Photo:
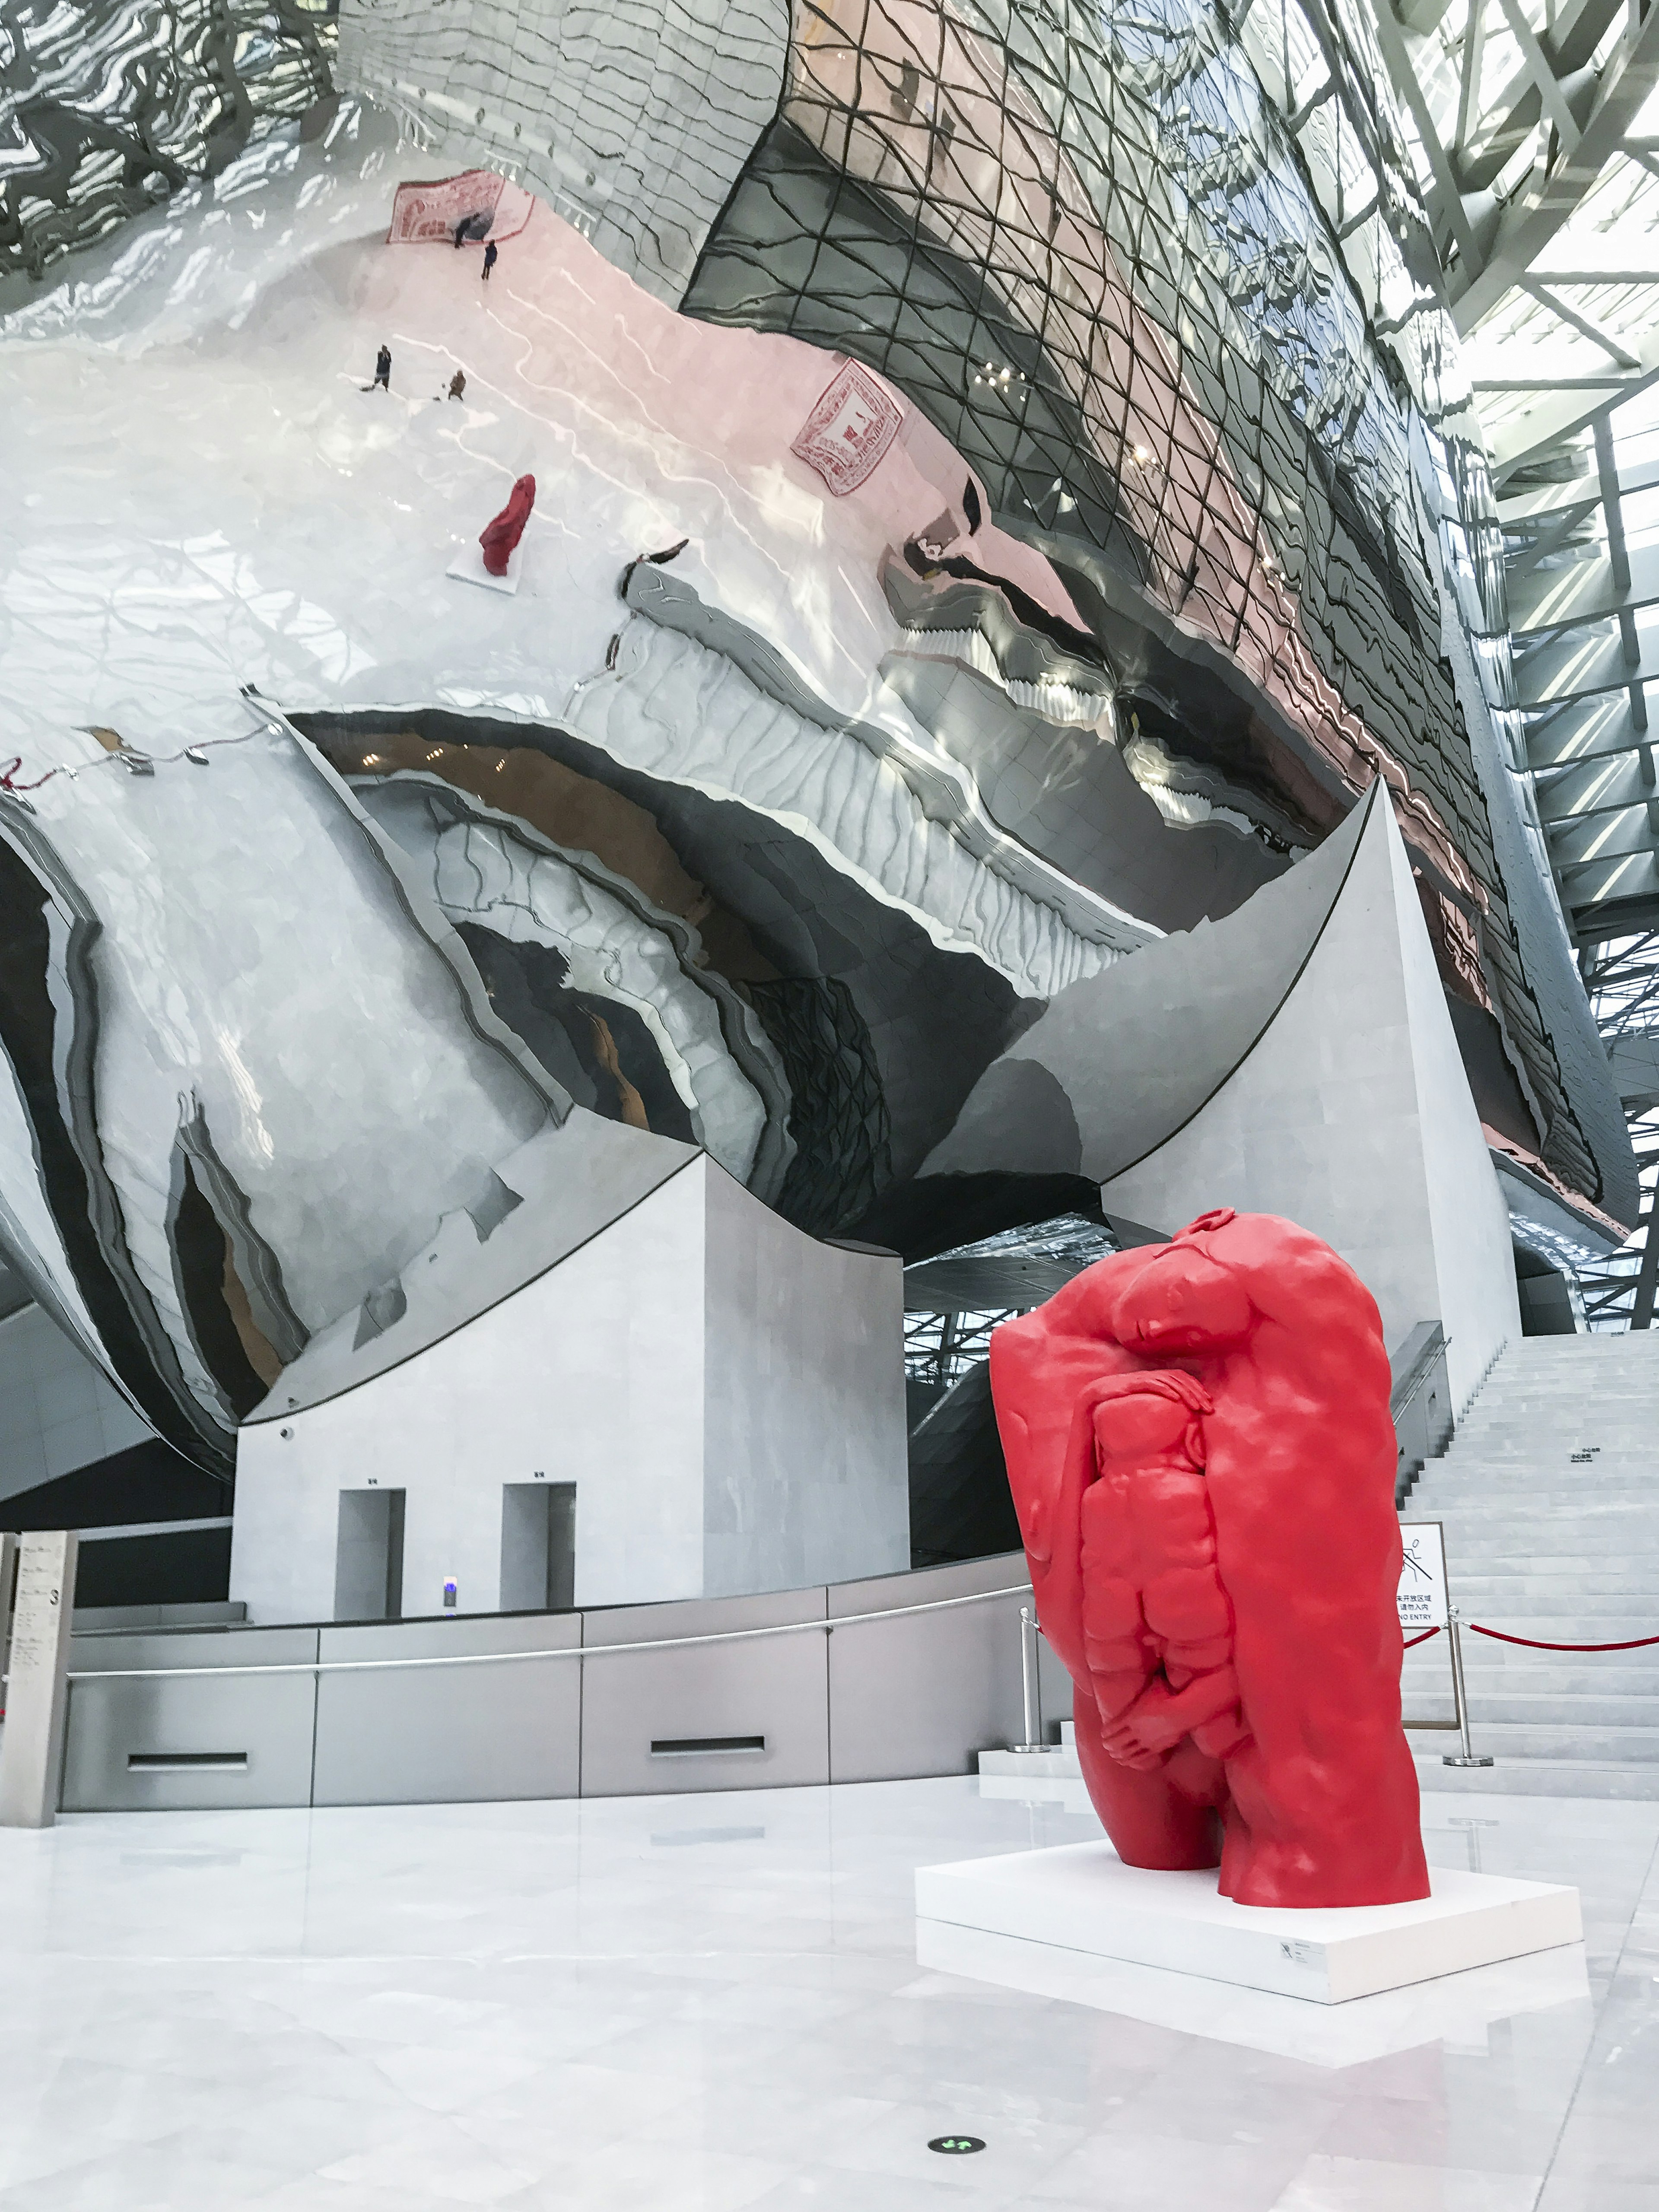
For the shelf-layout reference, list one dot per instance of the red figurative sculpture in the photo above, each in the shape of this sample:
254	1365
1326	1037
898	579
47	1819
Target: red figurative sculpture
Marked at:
1200	1450
499	538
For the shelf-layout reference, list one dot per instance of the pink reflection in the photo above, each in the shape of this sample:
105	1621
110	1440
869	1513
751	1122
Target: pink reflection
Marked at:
908	99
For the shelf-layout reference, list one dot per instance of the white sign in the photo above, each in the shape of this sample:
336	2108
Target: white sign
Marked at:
1422	1594
36	1693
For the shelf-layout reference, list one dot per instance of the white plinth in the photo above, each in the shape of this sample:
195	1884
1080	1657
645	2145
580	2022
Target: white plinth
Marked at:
469	569
1082	1899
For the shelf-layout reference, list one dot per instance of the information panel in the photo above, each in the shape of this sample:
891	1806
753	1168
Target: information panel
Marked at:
1422	1594
32	1758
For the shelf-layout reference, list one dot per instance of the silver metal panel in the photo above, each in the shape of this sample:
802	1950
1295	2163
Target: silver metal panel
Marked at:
421	1735
923	1693
773	1687
264	1720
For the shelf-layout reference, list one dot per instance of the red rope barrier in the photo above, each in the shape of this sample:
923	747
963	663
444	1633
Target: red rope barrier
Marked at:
1635	1642
1423	1639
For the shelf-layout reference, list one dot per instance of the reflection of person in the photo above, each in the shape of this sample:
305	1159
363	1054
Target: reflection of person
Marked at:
383	369
492	254
1157	1627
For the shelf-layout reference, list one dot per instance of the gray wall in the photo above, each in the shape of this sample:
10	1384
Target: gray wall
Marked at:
805	1474
58	1411
839	1699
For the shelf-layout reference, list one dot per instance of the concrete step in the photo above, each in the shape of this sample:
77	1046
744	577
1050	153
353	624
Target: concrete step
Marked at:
1488	1705
1551	1602
1476	1591
1570	1555
1539	1577
1582	1739
1589	1625
1606	1677
1531	1778
1630	1479
1612	1520
1630	1467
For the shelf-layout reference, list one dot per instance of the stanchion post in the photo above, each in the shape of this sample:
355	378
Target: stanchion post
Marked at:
1466	1757
1027	1682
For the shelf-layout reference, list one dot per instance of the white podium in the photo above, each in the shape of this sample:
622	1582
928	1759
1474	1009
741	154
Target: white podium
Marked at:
1080	1899
468	567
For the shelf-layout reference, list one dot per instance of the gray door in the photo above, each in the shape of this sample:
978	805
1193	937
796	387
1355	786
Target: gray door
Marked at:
368	1557
539	1546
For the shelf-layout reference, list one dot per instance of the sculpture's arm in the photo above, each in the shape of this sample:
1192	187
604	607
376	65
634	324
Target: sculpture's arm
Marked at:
1083	1307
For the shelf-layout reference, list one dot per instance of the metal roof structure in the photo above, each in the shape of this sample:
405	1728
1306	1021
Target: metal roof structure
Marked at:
1533	130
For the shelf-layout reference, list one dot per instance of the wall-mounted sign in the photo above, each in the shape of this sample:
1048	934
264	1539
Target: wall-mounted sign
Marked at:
36	1692
1422	1594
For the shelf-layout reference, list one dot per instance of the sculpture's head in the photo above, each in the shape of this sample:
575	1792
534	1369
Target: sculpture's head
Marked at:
1141	1418
1185	1299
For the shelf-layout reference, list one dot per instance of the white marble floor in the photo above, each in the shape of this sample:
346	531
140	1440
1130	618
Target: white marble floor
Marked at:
703	2004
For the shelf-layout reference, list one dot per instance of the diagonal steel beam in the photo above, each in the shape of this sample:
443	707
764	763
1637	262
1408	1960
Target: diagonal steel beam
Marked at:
1546	297
1542	69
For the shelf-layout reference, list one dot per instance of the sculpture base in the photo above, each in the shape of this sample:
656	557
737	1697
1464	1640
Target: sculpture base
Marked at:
469	569
1082	1899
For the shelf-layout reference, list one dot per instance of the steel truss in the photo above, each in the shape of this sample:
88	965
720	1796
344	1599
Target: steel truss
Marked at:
1535	136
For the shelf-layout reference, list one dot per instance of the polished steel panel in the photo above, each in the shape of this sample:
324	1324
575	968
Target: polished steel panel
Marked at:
922	1693
449	1735
770	1687
264	1720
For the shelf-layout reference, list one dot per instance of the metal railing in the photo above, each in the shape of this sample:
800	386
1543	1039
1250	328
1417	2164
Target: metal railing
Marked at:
510	1658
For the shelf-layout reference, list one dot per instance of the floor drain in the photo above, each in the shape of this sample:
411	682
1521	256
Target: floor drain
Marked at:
955	2145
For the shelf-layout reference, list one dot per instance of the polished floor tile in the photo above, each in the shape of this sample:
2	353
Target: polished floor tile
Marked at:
709	2005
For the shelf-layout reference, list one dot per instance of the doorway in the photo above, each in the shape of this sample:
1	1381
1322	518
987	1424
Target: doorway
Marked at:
368	1556
539	1546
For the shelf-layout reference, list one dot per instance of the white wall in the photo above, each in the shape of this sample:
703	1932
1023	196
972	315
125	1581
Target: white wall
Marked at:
1474	1250
58	1411
725	1394
1353	1115
807	1472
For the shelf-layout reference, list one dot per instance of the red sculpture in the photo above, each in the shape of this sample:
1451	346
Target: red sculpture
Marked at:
499	538
1200	1450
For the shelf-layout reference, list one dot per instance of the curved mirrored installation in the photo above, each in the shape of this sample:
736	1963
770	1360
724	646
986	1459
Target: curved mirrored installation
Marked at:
979	528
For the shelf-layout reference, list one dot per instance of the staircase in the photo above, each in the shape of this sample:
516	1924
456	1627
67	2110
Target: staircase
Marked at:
1550	1499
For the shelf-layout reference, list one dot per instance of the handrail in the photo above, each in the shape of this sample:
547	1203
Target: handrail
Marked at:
1419	1362
507	1658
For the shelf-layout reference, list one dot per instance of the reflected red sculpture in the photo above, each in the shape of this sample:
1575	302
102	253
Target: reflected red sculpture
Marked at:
499	538
1200	1451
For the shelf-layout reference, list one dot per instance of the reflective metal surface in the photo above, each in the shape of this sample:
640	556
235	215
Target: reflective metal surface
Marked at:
991	525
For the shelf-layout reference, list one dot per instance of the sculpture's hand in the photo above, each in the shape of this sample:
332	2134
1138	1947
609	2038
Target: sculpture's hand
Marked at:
1153	1725
1160	1716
